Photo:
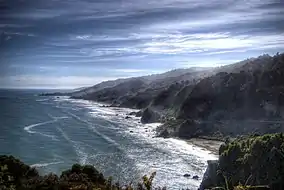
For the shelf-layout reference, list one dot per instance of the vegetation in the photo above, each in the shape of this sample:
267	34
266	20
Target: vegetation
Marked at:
14	174
256	161
225	101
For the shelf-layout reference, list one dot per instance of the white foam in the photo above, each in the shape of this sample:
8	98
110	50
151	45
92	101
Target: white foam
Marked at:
42	100
106	111
179	152
79	150
63	117
29	127
92	127
55	119
39	165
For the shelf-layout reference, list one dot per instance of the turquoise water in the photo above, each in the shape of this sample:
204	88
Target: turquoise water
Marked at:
53	133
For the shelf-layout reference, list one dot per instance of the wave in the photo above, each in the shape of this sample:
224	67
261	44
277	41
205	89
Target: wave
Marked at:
46	164
54	119
29	127
79	150
92	128
69	108
42	100
62	117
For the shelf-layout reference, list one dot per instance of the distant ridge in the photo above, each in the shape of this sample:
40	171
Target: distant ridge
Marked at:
197	101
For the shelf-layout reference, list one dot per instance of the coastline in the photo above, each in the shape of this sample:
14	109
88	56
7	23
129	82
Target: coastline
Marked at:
206	144
205	148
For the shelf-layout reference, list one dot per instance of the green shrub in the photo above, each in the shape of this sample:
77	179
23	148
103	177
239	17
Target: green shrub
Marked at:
257	158
15	175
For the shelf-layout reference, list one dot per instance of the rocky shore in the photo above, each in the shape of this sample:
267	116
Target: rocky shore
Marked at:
238	99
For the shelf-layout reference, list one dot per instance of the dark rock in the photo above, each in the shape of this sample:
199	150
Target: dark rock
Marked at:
131	131
150	116
196	177
164	134
210	177
127	117
190	129
139	114
132	113
186	175
116	114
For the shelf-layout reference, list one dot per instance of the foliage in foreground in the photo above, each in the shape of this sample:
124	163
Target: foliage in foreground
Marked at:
256	161
14	174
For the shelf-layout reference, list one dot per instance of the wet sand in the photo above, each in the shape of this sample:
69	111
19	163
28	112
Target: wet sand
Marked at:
211	145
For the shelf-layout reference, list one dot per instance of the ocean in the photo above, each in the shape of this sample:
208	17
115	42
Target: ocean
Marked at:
52	133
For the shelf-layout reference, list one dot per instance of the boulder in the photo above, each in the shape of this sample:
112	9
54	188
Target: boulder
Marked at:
186	175
127	117
196	177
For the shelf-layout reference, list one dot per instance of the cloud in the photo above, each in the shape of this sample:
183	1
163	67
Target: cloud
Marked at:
130	70
121	38
37	81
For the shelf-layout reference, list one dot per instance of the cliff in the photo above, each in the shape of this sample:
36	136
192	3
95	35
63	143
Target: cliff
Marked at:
231	104
236	99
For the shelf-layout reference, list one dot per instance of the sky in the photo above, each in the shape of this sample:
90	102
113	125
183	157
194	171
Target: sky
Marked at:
75	43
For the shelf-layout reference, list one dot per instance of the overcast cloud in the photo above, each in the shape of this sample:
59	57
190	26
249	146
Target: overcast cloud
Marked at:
75	43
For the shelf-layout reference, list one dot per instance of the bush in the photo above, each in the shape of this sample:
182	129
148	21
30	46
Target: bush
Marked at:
14	174
256	160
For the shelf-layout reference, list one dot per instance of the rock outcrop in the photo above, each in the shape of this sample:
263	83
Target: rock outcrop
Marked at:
150	116
210	177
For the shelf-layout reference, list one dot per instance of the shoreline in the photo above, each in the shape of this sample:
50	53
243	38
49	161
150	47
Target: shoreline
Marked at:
206	144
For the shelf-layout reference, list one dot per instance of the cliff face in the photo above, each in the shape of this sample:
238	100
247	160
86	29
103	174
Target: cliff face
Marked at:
237	103
210	177
159	96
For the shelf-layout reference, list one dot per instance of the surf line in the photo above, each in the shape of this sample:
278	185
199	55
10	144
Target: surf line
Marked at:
30	127
46	164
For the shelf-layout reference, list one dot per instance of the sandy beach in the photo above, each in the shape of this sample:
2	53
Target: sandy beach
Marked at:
211	145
